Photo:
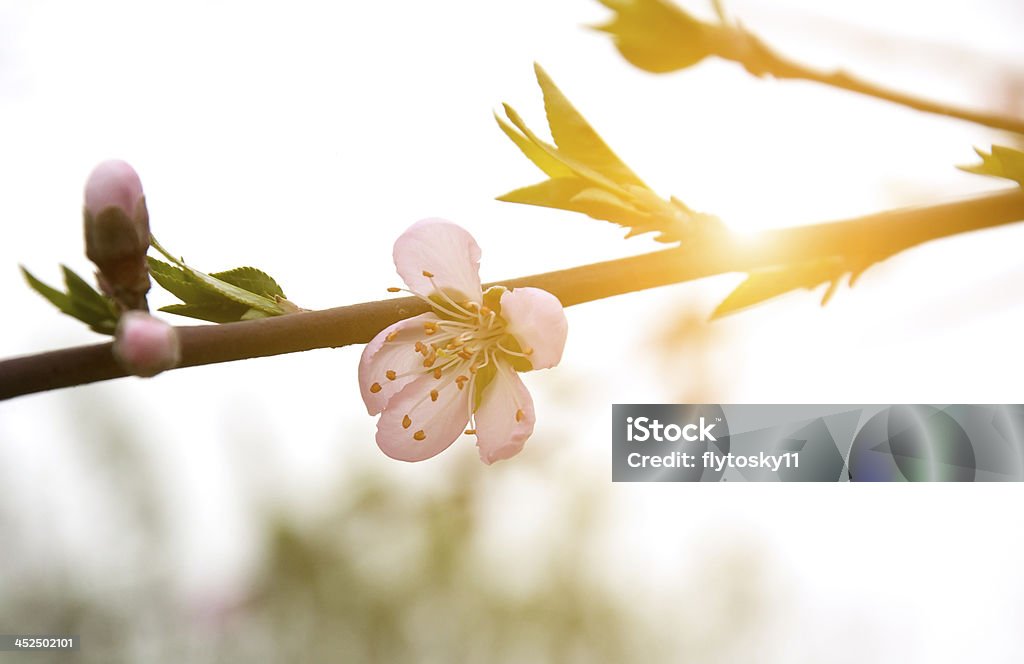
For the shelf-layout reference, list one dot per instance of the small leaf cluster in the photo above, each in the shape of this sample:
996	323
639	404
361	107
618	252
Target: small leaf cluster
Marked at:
242	293
78	300
586	176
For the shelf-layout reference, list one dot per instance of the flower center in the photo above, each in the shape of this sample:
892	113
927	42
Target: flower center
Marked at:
464	347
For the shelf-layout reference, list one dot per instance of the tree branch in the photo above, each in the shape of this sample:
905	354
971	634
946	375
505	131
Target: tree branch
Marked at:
759	59
870	237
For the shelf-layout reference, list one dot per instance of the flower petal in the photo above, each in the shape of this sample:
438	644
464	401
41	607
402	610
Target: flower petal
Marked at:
398	355
505	417
443	249
113	183
145	345
415	426
536	319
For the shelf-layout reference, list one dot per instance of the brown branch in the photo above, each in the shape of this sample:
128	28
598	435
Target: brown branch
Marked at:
759	59
870	237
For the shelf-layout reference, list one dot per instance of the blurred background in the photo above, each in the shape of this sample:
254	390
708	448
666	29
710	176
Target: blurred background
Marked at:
243	512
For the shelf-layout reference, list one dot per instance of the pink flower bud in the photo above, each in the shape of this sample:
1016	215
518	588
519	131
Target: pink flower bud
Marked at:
145	346
117	232
113	183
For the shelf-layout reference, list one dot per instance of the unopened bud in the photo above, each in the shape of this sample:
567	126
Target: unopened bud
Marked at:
117	232
144	345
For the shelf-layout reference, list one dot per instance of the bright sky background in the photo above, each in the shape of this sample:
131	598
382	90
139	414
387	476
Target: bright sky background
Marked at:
304	139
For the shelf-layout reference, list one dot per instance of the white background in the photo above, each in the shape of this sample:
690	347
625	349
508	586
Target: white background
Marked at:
304	139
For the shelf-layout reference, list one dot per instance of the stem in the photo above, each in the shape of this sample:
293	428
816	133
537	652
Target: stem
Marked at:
873	236
759	59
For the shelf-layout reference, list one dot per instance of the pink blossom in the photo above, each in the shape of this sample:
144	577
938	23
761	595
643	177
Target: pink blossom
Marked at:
117	232
455	369
145	345
113	183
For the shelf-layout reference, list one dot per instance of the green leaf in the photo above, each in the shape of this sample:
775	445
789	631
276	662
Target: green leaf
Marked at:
224	311
575	137
252	280
657	36
81	301
1001	162
223	288
177	282
242	293
575	167
762	285
587	177
58	299
87	301
544	161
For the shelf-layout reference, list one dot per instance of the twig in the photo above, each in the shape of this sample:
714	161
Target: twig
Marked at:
735	43
873	236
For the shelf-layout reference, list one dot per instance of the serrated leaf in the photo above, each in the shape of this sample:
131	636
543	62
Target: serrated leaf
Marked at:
100	315
575	137
87	300
762	285
224	311
252	280
224	289
55	297
1001	162
177	282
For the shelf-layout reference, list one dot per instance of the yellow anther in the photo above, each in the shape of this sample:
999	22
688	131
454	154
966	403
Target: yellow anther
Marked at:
420	348
437	373
470	432
428	275
520	415
429	361
392	289
419	435
433	395
465	354
390	374
391	336
528	351
461	381
406	422
472	369
375	388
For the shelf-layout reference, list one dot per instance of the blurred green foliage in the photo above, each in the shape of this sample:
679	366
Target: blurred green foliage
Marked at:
384	573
